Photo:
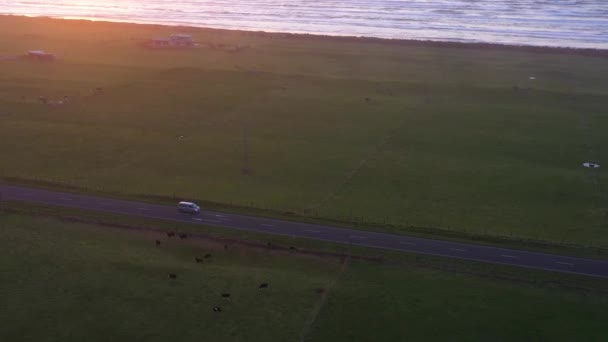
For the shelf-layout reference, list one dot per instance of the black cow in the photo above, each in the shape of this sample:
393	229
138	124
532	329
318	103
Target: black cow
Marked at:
158	242
183	236
170	234
225	247
226	295
207	256
292	249
172	276
263	286
198	260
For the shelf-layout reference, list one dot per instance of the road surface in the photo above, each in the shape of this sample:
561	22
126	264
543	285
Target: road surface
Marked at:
495	255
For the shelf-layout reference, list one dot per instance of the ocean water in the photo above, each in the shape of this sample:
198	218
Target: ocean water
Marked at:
568	23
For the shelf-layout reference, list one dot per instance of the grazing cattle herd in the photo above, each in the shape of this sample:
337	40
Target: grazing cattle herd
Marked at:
224	295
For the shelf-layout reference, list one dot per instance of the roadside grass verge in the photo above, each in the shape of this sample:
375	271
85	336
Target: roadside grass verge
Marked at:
505	241
222	237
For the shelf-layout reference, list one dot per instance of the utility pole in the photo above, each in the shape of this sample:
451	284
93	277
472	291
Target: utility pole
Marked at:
245	169
1	208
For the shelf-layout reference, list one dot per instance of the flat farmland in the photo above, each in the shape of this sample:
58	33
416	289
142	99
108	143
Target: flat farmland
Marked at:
74	281
473	139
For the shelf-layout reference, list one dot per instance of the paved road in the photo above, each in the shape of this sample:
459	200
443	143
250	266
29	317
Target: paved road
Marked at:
487	254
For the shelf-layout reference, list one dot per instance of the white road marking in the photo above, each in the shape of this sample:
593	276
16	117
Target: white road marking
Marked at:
357	237
510	256
312	231
197	219
66	199
408	243
564	263
267	225
458	249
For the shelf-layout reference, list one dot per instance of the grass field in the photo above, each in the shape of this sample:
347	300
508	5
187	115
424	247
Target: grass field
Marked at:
408	134
72	282
379	303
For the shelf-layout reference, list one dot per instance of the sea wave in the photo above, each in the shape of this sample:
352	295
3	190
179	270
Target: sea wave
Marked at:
567	23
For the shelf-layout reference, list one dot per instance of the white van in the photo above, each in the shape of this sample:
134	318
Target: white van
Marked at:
188	207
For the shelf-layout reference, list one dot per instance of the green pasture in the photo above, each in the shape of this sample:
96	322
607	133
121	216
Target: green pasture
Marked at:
404	134
377	303
66	281
75	282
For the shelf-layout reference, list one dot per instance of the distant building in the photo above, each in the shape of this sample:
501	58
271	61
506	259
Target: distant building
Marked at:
174	41
181	38
38	55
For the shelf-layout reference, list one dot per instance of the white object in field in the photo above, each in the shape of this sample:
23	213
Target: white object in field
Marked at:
591	165
532	77
40	55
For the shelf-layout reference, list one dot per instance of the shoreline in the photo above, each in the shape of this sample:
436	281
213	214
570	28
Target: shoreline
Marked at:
592	52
